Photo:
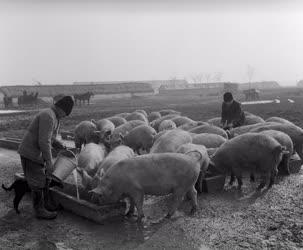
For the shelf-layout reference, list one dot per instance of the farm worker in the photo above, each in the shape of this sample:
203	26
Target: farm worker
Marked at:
232	115
35	152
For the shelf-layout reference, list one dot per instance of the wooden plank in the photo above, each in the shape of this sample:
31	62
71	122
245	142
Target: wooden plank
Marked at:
10	144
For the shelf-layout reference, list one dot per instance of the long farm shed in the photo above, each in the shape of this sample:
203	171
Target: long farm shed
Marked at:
52	90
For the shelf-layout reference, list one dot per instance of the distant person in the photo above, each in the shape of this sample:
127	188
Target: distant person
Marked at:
232	115
35	152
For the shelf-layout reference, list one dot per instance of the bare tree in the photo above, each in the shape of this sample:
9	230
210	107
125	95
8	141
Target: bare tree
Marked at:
197	78
207	77
250	73
217	76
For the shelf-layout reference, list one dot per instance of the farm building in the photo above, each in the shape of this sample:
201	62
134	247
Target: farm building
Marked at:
102	89
259	85
202	89
170	84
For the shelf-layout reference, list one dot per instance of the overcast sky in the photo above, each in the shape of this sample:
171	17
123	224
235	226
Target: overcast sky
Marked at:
66	41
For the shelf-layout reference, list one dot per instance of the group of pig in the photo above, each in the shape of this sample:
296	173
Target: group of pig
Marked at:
134	154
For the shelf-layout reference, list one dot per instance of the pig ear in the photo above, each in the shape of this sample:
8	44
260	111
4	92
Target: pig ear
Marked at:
284	151
197	155
93	121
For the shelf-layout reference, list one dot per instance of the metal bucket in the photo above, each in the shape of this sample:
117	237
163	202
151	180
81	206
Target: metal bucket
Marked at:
64	165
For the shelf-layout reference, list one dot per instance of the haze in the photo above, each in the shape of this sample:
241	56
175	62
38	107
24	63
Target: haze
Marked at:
59	42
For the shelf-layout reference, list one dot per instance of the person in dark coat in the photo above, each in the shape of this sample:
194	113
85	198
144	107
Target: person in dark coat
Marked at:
35	152
232	115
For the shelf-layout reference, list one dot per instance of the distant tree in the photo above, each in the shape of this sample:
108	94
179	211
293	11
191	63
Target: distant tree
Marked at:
250	73
217	76
207	77
197	78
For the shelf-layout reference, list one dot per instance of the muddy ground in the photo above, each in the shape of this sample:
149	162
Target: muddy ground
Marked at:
225	220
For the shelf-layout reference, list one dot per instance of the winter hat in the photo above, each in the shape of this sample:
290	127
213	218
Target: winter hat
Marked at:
227	97
66	103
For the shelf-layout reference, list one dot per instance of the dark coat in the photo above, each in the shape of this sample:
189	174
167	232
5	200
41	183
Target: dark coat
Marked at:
232	114
36	143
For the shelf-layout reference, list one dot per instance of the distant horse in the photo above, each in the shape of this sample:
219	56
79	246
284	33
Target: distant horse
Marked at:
8	101
57	97
28	99
83	97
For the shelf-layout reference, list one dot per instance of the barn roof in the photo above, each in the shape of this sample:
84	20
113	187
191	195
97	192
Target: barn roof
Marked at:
52	90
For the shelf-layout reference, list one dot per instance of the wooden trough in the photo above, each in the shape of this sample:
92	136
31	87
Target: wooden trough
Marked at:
67	198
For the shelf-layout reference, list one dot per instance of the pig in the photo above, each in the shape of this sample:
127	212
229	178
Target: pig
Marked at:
188	126
252	152
105	126
90	157
136	116
279	120
285	141
215	121
244	129
151	174
204	161
117	154
142	111
170	141
153	116
123	115
164	112
253	119
209	129
119	132
126	127
167	125
141	137
117	121
159	134
295	133
82	131
181	120
156	123
208	140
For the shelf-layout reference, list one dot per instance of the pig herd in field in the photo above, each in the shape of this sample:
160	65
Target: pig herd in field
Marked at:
134	154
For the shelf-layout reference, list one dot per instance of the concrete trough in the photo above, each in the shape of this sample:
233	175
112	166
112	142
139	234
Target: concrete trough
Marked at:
67	198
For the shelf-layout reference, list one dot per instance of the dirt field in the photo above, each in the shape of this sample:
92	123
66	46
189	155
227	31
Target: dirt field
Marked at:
226	220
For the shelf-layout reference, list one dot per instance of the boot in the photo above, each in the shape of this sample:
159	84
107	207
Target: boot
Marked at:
49	203
38	203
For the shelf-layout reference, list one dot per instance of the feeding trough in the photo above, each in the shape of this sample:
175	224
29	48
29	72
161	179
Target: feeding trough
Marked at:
67	198
212	184
295	164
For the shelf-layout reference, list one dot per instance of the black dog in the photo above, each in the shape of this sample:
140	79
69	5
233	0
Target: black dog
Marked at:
21	187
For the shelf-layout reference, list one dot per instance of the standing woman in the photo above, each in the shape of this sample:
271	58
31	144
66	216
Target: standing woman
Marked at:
35	152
